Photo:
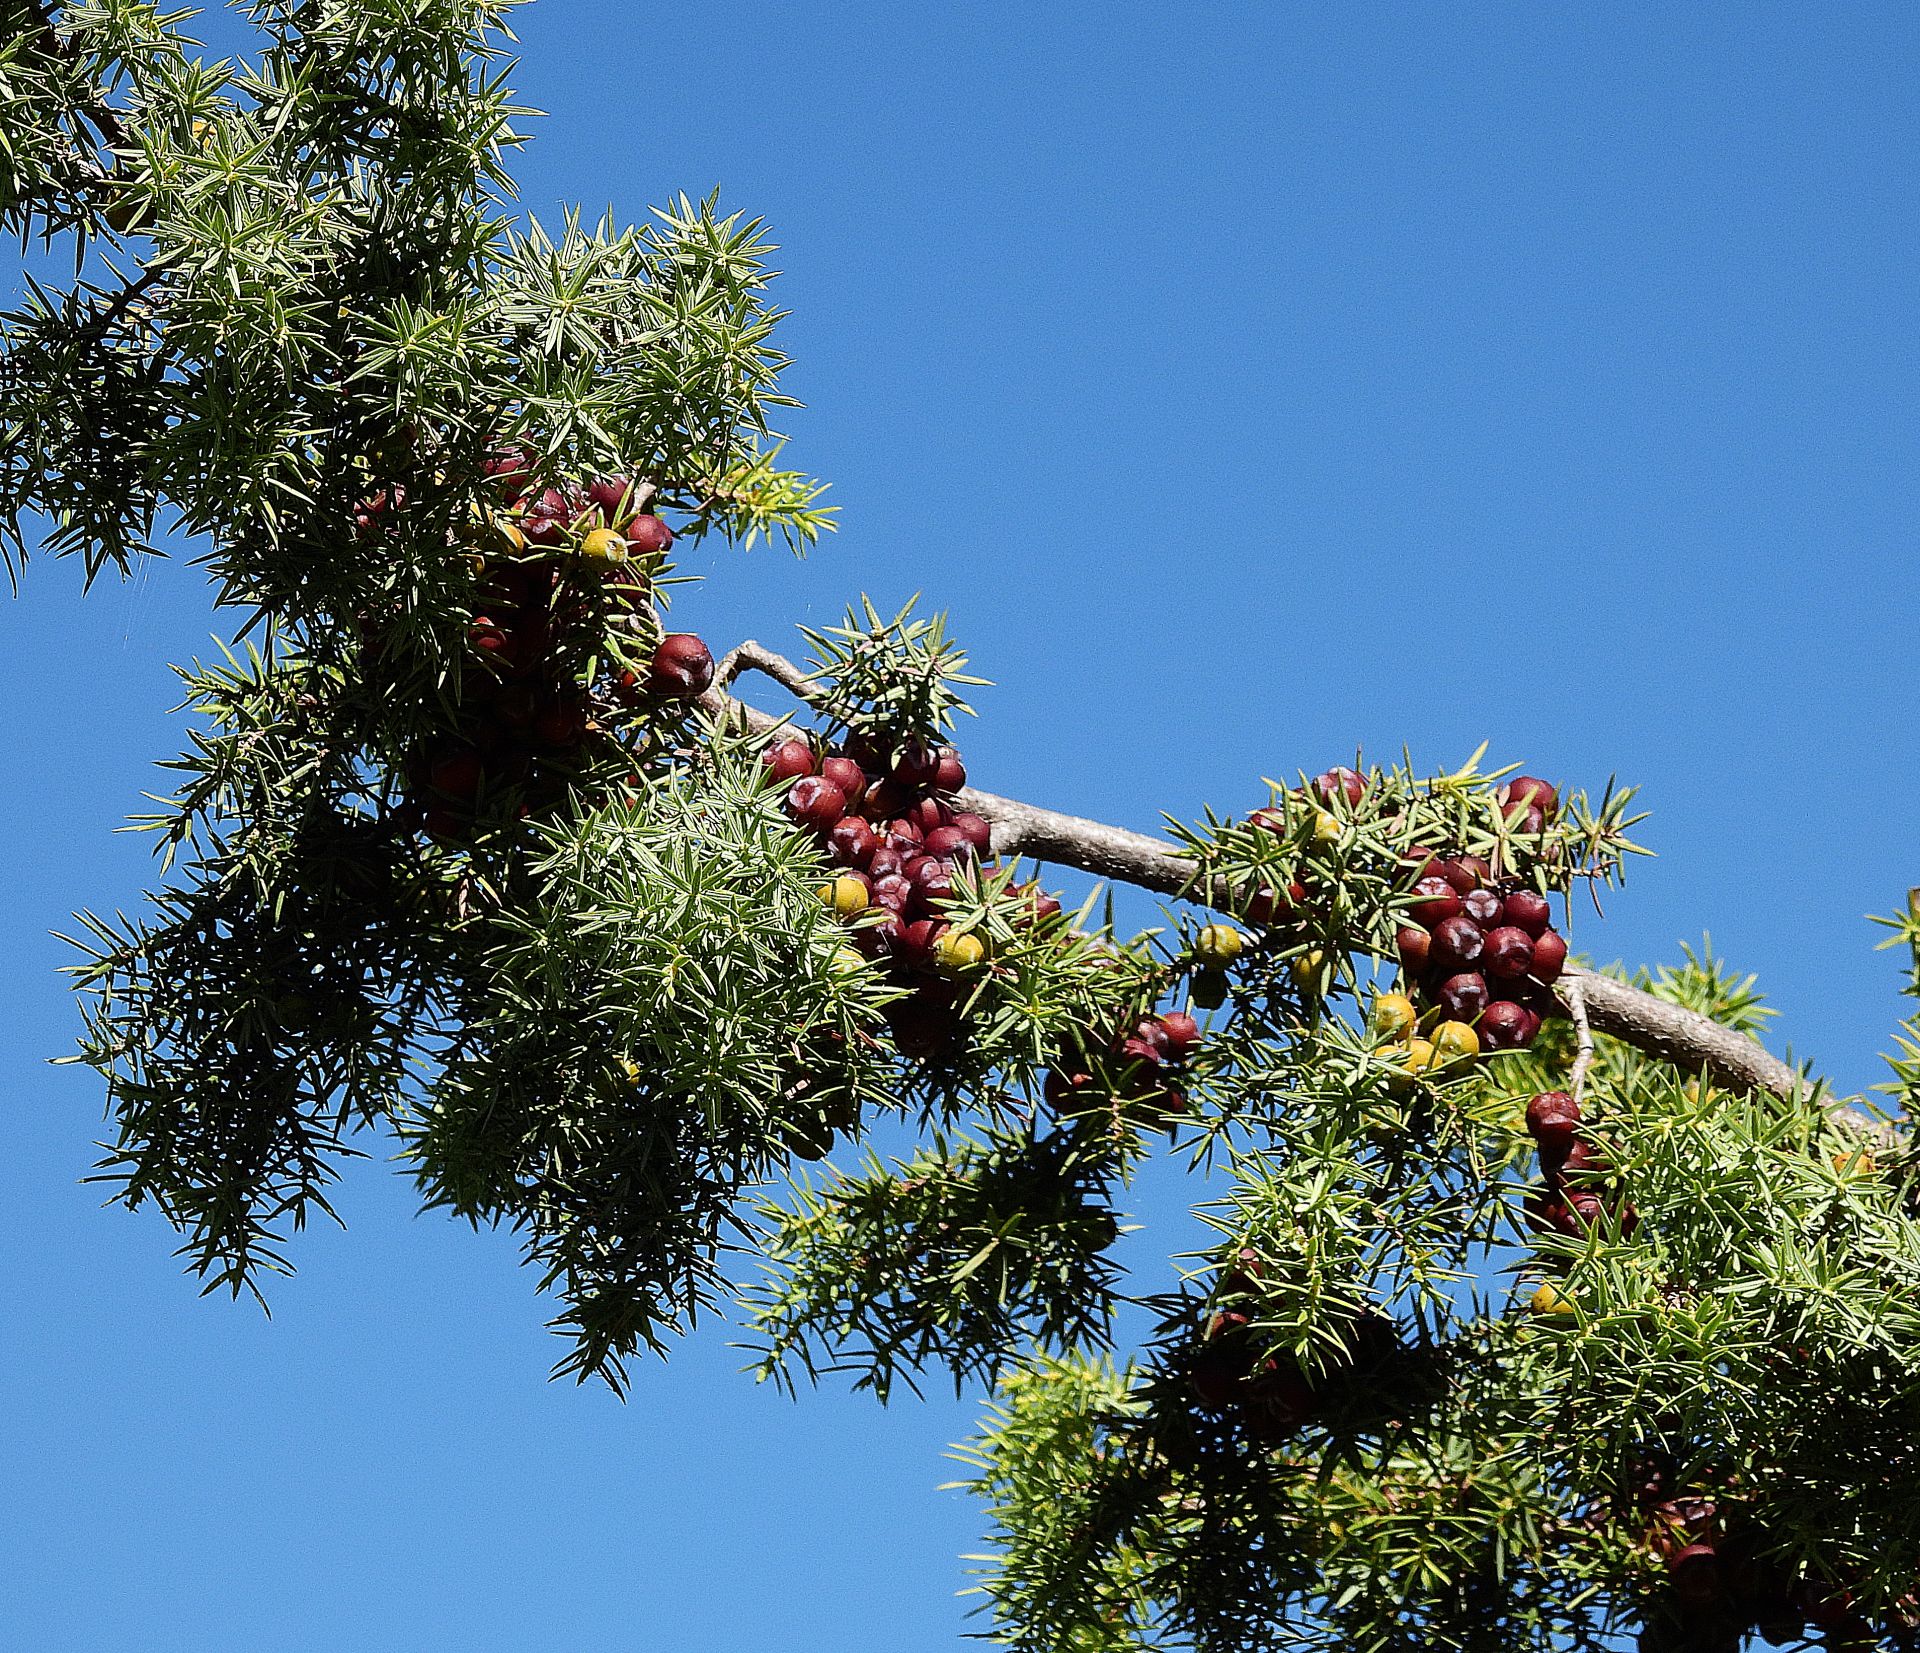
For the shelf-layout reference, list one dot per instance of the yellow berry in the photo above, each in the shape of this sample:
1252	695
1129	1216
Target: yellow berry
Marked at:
1219	944
957	951
1857	1164
1409	1061
1455	1042
847	962
631	1069
603	545
846	895
1394	1015
1550	1299
1326	827
1306	967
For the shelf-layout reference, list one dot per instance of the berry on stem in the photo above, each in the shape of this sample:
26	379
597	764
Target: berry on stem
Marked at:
817	803
682	667
647	536
1218	944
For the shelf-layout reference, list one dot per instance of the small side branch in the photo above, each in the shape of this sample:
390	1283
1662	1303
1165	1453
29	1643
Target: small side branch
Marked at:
1573	994
752	656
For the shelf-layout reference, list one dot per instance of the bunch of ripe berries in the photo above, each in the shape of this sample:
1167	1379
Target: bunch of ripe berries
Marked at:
556	569
1479	953
1573	1198
888	820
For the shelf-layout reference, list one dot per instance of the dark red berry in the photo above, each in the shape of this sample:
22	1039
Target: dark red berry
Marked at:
929	815
877	936
1062	1086
1549	957
1586	1207
1439	902
920	1027
682	668
510	467
1041	906
1267	904
932	881
853	842
885	800
458	776
1457	943
560	724
1695	1573
647	536
949	773
1583	1158
1526	910
1483	907
816	802
1509	952
1504	1025
1182	1031
892	891
444	825
1138	1051
1216	1376
1464	996
947	842
845	774
1154	1032
609	493
885	862
1529	791
789	760
1340	782
917	939
1554	1116
1415	947
917	765
1549	1214
975	830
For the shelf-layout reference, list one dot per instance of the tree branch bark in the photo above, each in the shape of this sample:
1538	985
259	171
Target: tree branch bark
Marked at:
1669	1032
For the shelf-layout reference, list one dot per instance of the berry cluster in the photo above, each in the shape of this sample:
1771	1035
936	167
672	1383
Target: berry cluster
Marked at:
887	820
556	569
1267	1395
1720	1585
1481	949
1575	1196
1140	1068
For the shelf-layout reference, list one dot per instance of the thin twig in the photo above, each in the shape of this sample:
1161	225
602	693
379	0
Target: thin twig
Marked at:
1573	994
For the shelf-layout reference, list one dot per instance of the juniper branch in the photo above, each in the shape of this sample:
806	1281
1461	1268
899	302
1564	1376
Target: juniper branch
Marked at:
1669	1032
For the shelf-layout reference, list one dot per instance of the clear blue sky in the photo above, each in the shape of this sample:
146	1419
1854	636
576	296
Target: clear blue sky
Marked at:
1251	382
